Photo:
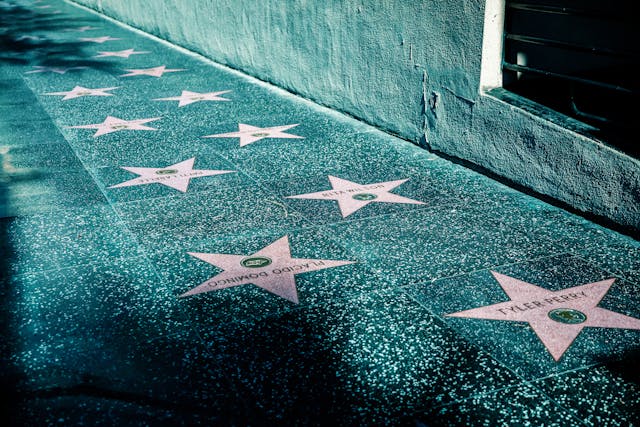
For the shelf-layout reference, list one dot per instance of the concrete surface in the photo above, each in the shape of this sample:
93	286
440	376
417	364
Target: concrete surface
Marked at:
409	68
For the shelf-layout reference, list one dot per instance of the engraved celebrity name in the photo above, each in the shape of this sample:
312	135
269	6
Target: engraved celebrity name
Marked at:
275	271
361	189
544	302
188	174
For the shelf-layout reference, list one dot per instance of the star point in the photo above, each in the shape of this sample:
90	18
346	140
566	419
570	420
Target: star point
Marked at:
114	124
556	317
352	196
176	176
271	268
80	91
120	53
249	134
188	97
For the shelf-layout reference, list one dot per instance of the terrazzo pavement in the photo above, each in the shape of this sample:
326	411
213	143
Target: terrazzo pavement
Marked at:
96	327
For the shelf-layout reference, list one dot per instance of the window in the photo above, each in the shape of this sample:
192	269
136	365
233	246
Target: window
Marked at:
579	58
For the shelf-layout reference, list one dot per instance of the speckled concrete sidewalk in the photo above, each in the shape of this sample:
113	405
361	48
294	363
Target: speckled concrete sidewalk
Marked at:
183	245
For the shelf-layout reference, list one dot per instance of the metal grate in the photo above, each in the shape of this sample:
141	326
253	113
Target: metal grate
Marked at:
578	57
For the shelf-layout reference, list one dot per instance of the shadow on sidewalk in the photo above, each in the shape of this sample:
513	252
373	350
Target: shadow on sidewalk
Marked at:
29	37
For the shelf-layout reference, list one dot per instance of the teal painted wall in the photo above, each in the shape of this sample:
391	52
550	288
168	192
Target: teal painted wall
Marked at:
411	68
352	55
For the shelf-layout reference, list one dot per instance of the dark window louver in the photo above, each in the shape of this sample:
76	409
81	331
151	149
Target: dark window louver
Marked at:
580	58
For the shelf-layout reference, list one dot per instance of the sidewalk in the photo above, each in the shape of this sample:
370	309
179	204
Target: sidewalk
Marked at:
182	244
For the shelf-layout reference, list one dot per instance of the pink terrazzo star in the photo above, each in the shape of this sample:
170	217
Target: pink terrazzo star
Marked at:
120	54
249	134
352	196
33	38
557	317
114	124
153	72
188	97
175	176
82	29
57	70
271	268
98	39
80	91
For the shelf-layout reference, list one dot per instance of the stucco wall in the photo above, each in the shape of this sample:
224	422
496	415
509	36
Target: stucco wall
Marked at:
410	68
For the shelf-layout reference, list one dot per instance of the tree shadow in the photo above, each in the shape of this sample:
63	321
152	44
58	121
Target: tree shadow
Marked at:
31	37
27	38
9	375
626	367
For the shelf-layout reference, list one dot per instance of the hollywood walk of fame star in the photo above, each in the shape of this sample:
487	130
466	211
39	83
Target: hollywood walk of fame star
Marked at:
557	317
188	97
153	72
120	54
114	124
98	39
28	37
249	134
352	196
57	70
79	91
82	29
175	176
271	268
